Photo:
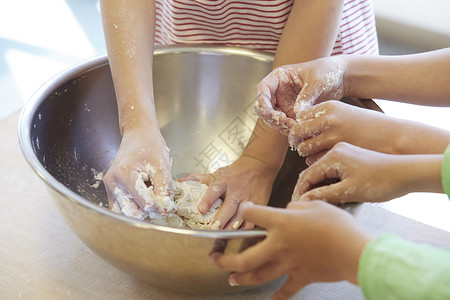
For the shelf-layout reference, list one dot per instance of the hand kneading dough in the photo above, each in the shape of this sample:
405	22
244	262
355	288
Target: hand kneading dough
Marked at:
187	196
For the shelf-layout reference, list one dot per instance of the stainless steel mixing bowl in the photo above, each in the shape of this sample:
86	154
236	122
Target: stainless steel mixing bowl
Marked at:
204	96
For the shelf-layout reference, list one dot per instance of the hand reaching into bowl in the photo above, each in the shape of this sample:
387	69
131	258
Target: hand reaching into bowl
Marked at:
139	179
364	175
245	180
289	89
309	242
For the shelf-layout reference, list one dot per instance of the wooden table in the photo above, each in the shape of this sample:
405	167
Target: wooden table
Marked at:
41	258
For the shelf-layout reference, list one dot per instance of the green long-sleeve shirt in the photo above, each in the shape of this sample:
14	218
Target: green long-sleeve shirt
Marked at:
393	268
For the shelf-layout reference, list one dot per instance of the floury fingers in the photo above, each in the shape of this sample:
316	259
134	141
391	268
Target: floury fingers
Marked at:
125	204
184	208
154	201
274	112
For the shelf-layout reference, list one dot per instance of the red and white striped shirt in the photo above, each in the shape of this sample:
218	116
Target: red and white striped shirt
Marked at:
255	24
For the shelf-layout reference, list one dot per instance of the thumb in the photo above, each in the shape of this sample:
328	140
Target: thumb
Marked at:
263	105
215	191
310	160
305	99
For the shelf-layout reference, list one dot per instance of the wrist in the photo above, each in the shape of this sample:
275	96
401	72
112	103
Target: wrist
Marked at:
421	173
349	266
268	146
349	77
134	117
266	168
407	138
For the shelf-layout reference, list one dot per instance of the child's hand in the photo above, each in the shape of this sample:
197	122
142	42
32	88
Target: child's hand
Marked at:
359	175
139	149
245	180
290	89
320	127
308	241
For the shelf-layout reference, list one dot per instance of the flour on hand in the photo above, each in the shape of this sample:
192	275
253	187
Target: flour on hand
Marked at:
181	212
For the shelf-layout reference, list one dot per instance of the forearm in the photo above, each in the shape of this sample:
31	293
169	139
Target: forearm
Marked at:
310	33
420	78
129	36
410	137
417	173
348	251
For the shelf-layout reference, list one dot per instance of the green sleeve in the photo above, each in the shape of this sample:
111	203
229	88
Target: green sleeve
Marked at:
393	268
445	172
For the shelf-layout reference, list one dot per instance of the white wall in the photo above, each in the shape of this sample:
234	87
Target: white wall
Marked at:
422	24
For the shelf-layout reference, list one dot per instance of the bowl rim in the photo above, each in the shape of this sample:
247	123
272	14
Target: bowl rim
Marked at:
30	109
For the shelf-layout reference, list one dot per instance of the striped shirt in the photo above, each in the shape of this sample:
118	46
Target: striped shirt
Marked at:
255	24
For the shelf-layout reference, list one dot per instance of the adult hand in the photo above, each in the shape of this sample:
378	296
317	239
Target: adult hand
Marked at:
363	175
139	178
246	180
309	242
290	89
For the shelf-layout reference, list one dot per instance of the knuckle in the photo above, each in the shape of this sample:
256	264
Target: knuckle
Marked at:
333	105
122	168
341	147
234	201
329	121
216	187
